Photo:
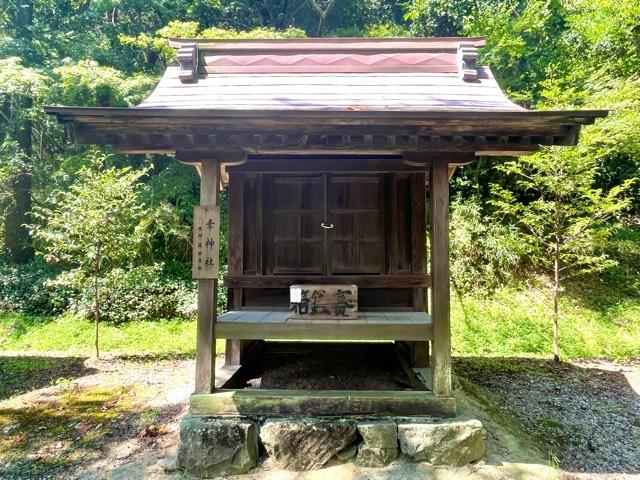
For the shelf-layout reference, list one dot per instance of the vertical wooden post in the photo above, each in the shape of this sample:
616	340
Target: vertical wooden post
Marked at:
205	337
233	348
439	216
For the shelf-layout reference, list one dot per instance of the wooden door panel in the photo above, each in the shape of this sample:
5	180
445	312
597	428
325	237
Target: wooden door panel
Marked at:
355	207
295	211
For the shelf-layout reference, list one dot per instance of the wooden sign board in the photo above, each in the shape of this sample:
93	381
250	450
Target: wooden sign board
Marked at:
206	237
323	302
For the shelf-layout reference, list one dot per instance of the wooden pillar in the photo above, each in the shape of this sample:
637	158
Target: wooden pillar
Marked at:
418	351
205	340
233	348
439	216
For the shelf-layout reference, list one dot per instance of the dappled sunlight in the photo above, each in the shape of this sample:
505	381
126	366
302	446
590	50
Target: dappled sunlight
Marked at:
121	408
23	373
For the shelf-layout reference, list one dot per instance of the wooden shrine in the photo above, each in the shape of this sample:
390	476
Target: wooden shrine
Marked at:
336	155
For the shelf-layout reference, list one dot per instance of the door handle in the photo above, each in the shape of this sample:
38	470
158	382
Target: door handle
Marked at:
326	226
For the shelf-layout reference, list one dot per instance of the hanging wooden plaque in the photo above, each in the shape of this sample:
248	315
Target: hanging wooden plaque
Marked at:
206	237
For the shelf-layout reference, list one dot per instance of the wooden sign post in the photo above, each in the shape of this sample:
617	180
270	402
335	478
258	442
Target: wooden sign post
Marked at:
206	234
206	228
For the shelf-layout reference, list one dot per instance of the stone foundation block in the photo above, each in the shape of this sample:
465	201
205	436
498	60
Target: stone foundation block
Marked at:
347	454
305	444
375	457
379	434
212	447
454	442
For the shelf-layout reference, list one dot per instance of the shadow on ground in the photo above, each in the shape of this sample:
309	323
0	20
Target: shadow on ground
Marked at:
21	374
55	431
586	417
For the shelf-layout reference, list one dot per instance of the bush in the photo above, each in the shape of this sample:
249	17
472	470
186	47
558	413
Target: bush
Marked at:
29	288
145	292
485	254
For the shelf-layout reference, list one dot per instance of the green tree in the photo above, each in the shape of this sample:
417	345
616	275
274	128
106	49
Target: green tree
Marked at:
565	220
19	121
93	225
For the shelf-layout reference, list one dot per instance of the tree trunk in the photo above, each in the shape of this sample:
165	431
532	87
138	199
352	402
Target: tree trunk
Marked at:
322	14
96	309
556	291
17	241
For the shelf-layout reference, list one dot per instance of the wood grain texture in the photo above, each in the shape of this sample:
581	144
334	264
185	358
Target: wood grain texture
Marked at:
323	302
236	193
206	237
439	218
322	403
312	88
205	336
275	324
362	281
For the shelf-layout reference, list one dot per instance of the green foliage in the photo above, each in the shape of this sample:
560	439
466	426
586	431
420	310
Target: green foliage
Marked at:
72	334
28	288
484	254
21	88
515	322
387	30
88	83
157	47
610	32
93	225
143	292
525	43
437	18
94	222
566	219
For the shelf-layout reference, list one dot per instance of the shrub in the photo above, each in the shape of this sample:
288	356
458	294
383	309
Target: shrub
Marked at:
145	292
484	253
29	288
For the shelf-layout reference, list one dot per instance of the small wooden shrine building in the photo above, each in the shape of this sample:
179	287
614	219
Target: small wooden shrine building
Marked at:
337	155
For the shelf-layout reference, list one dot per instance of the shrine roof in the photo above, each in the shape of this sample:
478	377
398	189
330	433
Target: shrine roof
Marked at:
244	93
330	74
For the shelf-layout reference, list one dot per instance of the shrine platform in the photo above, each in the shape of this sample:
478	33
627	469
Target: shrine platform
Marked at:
275	324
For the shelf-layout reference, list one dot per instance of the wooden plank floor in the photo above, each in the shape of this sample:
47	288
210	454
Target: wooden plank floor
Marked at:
271	324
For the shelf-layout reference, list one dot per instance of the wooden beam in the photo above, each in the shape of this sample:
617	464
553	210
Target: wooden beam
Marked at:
324	330
343	165
322	403
439	255
362	281
205	336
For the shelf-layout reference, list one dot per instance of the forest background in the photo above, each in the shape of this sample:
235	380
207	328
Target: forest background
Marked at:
546	54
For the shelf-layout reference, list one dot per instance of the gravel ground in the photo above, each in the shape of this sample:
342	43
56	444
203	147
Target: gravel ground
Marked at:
586	414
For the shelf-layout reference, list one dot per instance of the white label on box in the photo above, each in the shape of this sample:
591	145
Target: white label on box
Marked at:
296	295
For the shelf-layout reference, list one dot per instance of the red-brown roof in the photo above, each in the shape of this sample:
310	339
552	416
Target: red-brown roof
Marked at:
436	55
387	95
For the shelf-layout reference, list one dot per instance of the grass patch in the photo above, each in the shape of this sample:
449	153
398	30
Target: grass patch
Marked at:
598	321
73	335
48	437
517	322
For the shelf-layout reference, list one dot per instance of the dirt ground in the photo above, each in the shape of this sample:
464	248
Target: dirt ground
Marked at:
117	418
329	366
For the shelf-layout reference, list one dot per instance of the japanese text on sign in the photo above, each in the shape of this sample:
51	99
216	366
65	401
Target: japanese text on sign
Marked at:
206	233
